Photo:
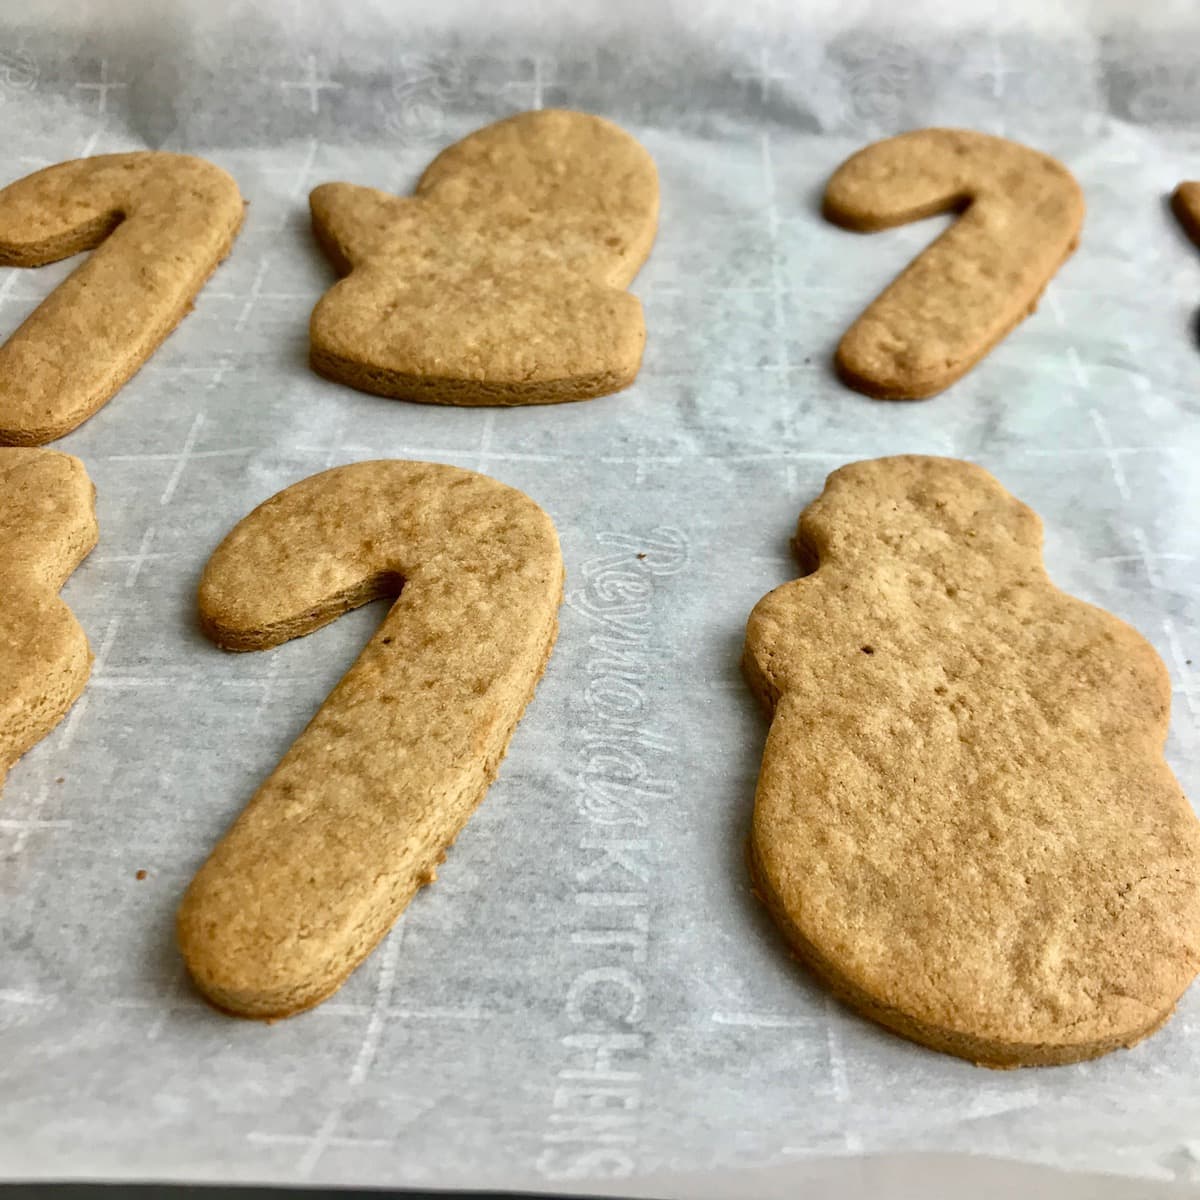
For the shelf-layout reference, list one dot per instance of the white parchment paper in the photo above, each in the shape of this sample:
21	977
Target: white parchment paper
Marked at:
589	998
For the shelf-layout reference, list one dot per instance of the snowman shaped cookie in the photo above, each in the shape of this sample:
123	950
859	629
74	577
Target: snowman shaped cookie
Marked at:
964	823
47	527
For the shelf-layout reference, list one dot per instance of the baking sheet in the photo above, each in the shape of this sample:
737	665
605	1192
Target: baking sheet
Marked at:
589	998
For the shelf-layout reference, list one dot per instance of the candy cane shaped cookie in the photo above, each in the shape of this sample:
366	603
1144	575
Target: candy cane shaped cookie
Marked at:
359	812
158	223
47	527
1021	216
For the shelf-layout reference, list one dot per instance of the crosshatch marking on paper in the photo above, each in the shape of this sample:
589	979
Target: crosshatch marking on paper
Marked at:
101	86
296	196
28	998
373	1030
316	1144
536	84
12	275
256	291
1053	305
763	76
312	84
71	726
765	1020
22	828
60	739
838	1070
175	997
998	72
185	453
403	1012
1182	673
778	288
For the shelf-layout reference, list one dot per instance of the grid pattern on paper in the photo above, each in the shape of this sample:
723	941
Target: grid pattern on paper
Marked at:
470	1025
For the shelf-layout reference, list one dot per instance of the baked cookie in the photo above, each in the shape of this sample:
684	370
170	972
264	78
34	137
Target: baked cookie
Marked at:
159	224
359	812
501	281
1185	202
1021	215
47	527
964	823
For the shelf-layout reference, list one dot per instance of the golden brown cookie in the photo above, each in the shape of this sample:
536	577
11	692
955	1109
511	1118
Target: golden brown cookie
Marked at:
964	823
502	280
1185	202
361	809
47	527
1021	215
159	224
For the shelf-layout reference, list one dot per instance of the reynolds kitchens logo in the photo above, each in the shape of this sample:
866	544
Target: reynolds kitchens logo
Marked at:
623	778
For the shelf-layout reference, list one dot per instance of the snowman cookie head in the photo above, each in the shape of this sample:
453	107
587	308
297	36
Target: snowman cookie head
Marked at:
941	517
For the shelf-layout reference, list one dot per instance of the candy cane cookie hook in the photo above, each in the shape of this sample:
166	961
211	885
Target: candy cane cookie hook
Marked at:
1021	216
158	224
359	812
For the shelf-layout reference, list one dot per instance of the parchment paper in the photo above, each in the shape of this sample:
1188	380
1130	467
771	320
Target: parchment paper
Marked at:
589	998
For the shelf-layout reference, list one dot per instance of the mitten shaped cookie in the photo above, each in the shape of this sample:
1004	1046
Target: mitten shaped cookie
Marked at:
501	281
359	812
1021	215
964	823
47	527
158	223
